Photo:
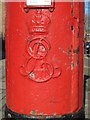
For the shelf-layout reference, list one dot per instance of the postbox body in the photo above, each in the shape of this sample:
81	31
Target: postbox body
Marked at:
44	59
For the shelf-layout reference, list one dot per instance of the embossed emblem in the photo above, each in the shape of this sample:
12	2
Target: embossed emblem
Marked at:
38	47
37	68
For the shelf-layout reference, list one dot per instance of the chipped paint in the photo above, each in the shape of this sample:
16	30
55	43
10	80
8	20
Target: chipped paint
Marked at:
72	65
33	112
76	51
41	113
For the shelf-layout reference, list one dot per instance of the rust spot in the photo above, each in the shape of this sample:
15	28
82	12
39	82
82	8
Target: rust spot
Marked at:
33	112
76	51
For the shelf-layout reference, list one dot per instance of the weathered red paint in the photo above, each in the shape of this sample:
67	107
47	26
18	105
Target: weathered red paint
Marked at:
44	58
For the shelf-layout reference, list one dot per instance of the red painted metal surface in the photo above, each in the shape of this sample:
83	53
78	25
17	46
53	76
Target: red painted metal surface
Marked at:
44	58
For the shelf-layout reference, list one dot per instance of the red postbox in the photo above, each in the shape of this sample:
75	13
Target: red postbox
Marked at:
44	59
